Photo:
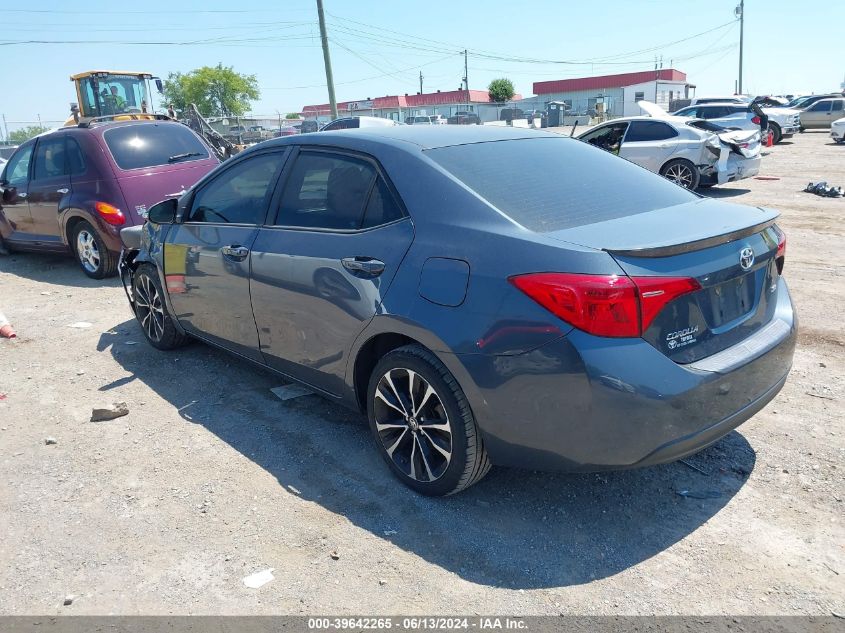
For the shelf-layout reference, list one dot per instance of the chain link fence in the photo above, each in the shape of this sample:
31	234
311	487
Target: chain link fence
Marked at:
15	132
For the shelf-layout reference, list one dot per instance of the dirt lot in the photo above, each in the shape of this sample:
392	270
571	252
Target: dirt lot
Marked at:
211	478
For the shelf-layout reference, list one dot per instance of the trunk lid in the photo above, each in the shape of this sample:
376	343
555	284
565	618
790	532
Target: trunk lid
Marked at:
729	249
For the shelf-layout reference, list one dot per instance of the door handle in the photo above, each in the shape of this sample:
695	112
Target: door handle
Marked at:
62	190
366	266
235	252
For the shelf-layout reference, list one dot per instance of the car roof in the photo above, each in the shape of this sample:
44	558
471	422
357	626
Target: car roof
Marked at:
424	137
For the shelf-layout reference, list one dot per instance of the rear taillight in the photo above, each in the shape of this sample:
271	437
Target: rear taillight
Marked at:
756	120
109	213
604	305
780	255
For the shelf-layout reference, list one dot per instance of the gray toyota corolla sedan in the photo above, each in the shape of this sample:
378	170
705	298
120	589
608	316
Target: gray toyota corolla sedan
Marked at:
485	295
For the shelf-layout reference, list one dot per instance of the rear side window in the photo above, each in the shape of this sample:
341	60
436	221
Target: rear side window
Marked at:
240	194
75	159
839	104
150	144
562	183
49	158
649	131
326	191
382	207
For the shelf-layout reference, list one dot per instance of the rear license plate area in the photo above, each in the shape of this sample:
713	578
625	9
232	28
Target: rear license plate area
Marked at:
731	299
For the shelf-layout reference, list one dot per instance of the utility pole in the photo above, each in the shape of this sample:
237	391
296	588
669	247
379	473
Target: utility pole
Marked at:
740	13
421	78
466	75
327	58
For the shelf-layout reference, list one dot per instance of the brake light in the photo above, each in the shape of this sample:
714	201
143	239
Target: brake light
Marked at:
109	213
780	255
756	120
604	305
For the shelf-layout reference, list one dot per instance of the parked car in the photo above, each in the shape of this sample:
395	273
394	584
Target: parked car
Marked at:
418	120
805	101
837	130
690	152
583	315
734	116
6	151
73	189
438	119
464	118
822	113
782	122
354	122
720	99
309	125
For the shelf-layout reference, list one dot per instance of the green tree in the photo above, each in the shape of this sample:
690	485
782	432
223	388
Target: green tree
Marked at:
501	90
292	115
216	90
26	133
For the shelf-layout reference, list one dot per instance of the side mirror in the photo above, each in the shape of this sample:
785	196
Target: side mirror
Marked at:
159	85
9	194
164	212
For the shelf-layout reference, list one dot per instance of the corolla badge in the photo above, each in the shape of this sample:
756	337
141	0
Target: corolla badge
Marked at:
746	258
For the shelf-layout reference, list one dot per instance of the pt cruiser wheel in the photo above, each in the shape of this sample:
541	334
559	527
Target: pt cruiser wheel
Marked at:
91	253
423	425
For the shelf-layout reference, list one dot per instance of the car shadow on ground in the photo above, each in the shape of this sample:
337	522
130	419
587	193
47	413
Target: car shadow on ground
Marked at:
52	268
515	529
716	192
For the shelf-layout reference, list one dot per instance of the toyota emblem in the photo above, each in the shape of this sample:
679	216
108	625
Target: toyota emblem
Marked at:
746	258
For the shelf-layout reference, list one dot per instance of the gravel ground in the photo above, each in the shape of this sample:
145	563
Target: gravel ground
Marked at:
211	478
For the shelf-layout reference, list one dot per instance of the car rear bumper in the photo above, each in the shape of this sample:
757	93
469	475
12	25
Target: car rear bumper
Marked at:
586	403
736	168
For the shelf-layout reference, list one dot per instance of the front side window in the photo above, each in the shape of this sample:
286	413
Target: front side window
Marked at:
151	144
608	137
17	170
649	131
820	106
326	191
240	194
49	159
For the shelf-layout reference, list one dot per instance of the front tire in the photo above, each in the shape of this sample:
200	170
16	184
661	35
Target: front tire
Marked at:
682	172
777	135
151	310
94	258
423	425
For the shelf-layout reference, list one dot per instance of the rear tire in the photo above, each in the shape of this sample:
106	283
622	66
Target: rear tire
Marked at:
91	253
682	172
151	310
777	136
423	425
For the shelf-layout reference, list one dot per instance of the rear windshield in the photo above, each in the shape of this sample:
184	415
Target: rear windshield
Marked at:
149	144
549	184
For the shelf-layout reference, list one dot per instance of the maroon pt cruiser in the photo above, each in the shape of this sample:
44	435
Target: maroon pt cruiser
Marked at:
75	188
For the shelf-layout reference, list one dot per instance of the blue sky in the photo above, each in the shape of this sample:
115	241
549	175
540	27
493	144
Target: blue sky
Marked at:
380	47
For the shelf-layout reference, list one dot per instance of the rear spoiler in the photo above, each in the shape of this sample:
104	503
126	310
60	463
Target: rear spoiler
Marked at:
697	245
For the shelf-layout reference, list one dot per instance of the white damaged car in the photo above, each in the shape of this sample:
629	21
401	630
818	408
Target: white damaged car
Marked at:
690	152
837	130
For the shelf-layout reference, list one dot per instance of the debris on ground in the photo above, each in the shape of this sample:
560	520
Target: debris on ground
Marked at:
259	578
110	412
289	392
335	555
693	466
700	494
49	441
80	325
6	329
68	600
821	189
382	582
